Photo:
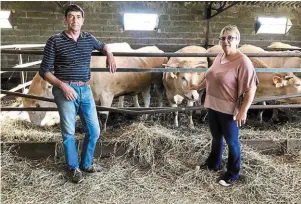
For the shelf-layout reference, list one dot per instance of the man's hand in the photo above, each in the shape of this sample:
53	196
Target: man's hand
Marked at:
68	91
111	64
240	118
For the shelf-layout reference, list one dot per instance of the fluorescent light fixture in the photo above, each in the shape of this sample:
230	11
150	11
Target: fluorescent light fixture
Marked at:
273	25
4	19
140	21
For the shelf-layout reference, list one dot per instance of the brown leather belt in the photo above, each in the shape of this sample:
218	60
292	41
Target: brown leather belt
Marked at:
77	83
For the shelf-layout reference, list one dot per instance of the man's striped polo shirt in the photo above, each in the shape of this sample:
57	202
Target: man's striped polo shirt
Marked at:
69	60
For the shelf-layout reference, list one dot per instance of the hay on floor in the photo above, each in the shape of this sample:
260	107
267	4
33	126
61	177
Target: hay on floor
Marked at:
161	166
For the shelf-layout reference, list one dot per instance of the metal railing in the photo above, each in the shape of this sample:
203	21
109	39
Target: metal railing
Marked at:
278	70
165	54
25	67
18	47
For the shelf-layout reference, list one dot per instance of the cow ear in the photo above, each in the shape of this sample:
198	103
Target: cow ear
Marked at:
277	80
174	75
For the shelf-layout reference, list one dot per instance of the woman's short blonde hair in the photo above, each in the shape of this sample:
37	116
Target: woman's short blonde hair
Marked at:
231	29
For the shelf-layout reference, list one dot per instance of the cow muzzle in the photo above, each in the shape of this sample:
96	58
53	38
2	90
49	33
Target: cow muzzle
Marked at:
192	95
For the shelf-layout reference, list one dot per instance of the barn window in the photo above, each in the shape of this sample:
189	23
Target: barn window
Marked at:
273	25
140	21
4	19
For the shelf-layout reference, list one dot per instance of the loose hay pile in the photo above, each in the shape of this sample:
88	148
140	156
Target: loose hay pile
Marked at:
24	131
161	166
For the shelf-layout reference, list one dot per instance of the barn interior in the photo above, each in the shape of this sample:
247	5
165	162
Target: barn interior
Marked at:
148	161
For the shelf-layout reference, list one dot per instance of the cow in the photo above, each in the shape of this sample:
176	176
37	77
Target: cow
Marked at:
282	45
280	62
105	86
294	62
40	87
289	82
213	49
272	84
177	85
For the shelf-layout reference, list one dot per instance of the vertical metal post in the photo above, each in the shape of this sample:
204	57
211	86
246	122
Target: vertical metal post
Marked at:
207	17
21	73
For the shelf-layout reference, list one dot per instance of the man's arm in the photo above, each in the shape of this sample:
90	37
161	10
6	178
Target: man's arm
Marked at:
100	46
111	64
47	67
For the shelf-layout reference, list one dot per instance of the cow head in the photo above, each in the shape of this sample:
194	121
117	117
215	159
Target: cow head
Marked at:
288	84
38	87
183	80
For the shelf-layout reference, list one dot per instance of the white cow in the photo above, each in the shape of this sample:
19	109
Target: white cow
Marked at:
177	85
282	45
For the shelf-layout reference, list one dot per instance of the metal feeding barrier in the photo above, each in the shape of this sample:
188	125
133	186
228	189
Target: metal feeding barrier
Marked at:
25	67
137	111
165	54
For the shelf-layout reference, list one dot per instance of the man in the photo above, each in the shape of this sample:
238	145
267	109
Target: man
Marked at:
67	55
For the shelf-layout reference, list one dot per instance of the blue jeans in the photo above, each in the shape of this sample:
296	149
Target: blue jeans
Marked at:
85	107
222	125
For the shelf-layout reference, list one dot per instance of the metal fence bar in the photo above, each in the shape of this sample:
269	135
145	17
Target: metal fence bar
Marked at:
273	70
132	111
25	65
256	100
22	46
166	54
150	111
27	95
28	64
12	91
281	49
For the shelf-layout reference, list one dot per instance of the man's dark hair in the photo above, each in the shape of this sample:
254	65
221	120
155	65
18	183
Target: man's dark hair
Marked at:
73	7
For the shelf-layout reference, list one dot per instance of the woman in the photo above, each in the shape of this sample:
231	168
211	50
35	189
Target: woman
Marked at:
230	80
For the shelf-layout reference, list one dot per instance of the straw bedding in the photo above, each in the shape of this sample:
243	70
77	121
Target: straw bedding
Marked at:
160	166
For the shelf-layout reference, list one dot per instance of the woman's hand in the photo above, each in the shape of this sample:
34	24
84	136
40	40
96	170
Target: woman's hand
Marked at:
240	118
194	87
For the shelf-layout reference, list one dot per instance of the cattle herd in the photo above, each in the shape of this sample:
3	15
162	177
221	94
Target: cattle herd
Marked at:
106	86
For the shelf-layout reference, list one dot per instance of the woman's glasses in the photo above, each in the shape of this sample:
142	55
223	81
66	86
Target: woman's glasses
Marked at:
229	38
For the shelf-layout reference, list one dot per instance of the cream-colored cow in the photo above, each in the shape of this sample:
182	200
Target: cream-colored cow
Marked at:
282	45
177	85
